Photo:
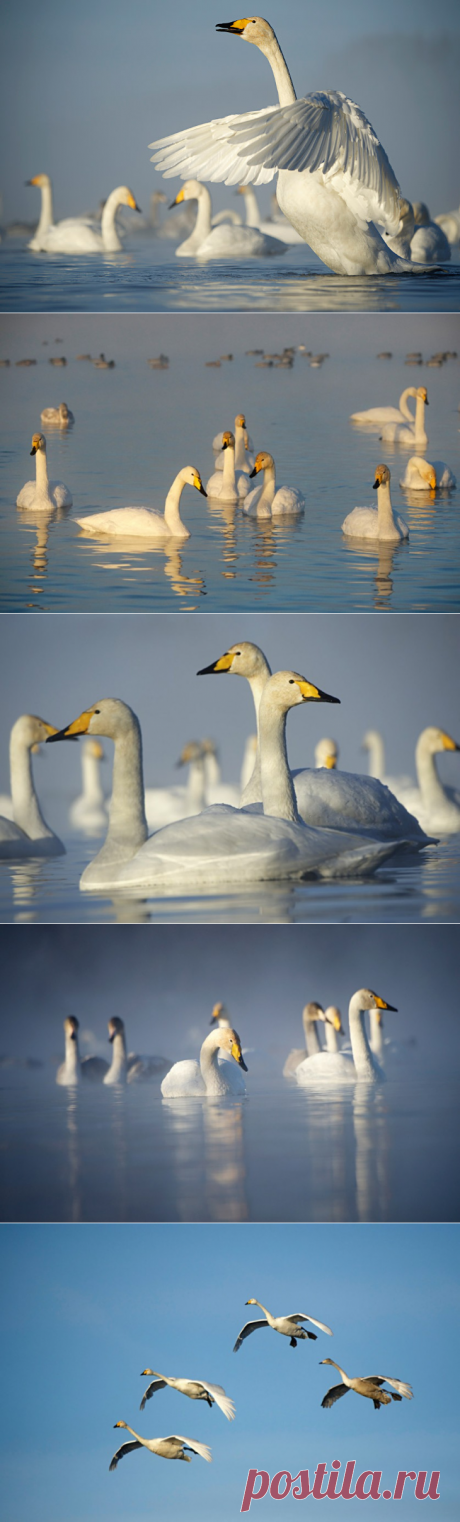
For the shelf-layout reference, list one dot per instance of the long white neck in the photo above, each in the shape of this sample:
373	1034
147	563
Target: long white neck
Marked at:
278	796
404	405
92	790
385	511
196	784
332	1040
269	486
110	237
376	752
212	769
46	210
203	222
345	1377
430	784
420	430
172	509
41	475
26	808
127	823
72	1058
253	791
209	1054
272	52
362	1055
117	1069
228	471
263	1308
312	1040
251	207
376	1034
240	447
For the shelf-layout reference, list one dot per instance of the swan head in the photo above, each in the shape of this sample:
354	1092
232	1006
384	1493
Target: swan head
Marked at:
250	28
286	689
424	470
240	421
421	392
121	1424
220	1016
328	1360
311	1013
421	214
263	461
244	659
124	197
228	1041
382	476
228	440
110	716
191	477
115	1027
191	190
63	410
326	754
332	1016
31	731
435	740
38	443
370	1000
371	737
191	752
39	179
71	1027
95	749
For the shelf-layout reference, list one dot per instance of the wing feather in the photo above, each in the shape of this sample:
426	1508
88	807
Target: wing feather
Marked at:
251	1326
397	1384
157	1384
189	1442
120	1453
335	1393
299	1316
221	1399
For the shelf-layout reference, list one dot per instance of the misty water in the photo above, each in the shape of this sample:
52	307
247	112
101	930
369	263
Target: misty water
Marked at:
135	427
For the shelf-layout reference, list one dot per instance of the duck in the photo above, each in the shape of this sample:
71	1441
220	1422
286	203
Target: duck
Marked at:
244	455
345	1067
88	812
144	522
311	1015
209	1077
27	833
128	1067
435	806
226	241
377	523
61	416
42	494
228	484
401	433
374	417
287	1326
75	1067
420	475
370	1387
78	235
326	754
173	1447
265	501
196	1389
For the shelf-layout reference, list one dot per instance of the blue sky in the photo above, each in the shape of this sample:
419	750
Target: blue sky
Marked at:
86	1308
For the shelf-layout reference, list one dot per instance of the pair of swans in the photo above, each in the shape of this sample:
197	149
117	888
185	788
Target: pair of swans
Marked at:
287	1326
124	1068
399	424
42	494
377	523
324	797
61	416
335	183
225	241
423	475
312	1015
173	1447
435	806
27	833
371	1387
196	1389
230	484
144	522
78	235
244	457
209	1078
88	812
265	501
344	1067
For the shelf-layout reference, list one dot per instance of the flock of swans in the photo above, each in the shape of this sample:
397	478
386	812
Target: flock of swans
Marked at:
399	425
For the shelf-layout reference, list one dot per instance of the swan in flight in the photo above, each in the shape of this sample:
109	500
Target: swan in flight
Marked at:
375	417
325	797
429	242
327	754
26	833
244	458
415	434
78	235
265	501
42	494
227	240
166	1447
346	1067
435	806
60	415
278	226
311	1015
420	475
144	521
228	484
89	811
335	182
288	1326
377	523
75	1067
209	1076
127	1067
196	1389
371	1387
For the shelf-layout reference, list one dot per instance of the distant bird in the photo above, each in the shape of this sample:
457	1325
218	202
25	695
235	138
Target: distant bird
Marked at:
196	1389
166	1447
371	1387
288	1326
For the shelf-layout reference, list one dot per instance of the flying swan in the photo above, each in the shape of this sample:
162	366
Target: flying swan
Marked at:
27	833
225	241
377	523
208	1077
42	494
371	1387
288	1326
345	1067
78	235
143	521
265	501
166	1447
196	1389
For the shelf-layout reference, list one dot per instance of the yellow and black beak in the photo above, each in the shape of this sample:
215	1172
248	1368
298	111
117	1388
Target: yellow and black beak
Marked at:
179	198
79	726
199	486
223	664
255	472
235	28
238	1055
34	449
382	1004
310	693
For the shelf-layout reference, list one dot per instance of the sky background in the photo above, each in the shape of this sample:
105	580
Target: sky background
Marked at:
86	1308
88	88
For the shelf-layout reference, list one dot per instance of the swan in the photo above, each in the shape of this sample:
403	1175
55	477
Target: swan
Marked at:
60	415
226	241
196	1389
373	417
334	182
27	833
288	1326
377	523
429	241
78	235
372	741
371	1387
216	790
415	434
266	501
144	521
326	754
278	227
228	484
449	221
420	475
324	798
244	458
166	1447
311	1014
42	494
344	1067
89	811
75	1067
435	806
127	1067
165	805
208	1076
333	1028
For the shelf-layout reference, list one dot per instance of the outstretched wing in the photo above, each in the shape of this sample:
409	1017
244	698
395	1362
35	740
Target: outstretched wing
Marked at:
221	1399
251	1326
188	1442
397	1384
299	1317
120	1453
157	1384
335	1393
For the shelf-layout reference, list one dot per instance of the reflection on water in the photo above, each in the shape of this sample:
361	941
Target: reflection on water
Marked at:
41	522
73	1156
208	1158
382	562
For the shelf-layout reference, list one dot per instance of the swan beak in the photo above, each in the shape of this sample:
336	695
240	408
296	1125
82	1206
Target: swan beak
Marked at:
254	472
224	664
34	181
179	198
34	449
309	692
238	1055
331	763
450	744
118	1424
234	27
382	1004
80	726
199	486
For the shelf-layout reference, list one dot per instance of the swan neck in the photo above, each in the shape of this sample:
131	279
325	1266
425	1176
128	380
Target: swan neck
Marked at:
208	1058
376	1035
362	1055
118	1065
41	473
196	783
430	784
312	1040
332	1044
72	1058
253	791
110	237
127	822
240	448
278	796
269	486
203	222
212	770
228	470
46	210
252	209
384	507
272	52
26	808
377	757
420	418
92	790
404	405
172	505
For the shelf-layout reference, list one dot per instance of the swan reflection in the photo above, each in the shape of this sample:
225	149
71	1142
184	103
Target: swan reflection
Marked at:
208	1158
41	522
382	560
134	561
73	1156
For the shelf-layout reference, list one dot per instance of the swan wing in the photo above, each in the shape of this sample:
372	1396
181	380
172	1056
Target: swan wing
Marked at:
120	1453
188	1442
251	1326
221	1399
335	1393
183	1078
157	1384
299	1317
396	1384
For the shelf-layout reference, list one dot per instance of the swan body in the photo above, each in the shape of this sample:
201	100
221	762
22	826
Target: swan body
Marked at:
374	417
26	833
208	1077
196	1389
78	235
370	1387
227	240
173	1447
401	433
266	501
449	221
429	241
377	523
435	806
166	805
127	1067
287	1326
344	1067
244	458
279	227
143	522
228	484
74	1067
60	415
420	475
42	494
89	811
335	182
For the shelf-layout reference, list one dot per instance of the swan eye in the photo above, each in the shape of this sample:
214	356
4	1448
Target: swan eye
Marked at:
97	710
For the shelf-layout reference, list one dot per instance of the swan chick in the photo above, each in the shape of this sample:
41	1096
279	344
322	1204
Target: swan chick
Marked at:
166	1447
371	1387
381	524
196	1389
288	1326
208	1077
42	494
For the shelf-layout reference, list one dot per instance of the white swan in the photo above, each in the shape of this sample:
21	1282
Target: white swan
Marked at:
27	833
228	484
209	1076
325	797
42	494
244	457
373	743
420	475
374	417
287	1326
416	434
196	1389
344	1067
450	223
144	522
60	415
266	501
435	806
88	812
165	805
311	1015
370	1387
173	1447
334	182
429	241
75	1067
278	228
78	235
226	241
326	754
128	1067
377	523
221	845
